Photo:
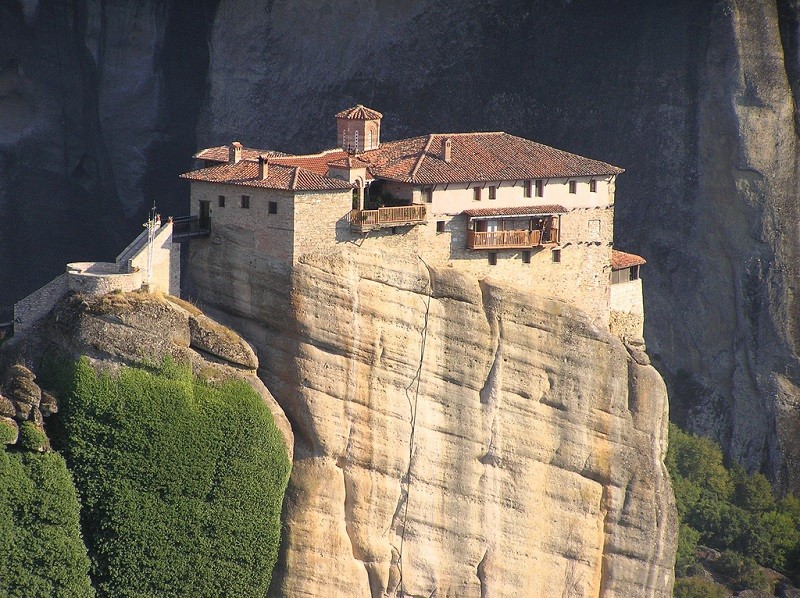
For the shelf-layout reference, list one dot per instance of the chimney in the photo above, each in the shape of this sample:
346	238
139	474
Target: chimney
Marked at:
447	150
235	153
263	167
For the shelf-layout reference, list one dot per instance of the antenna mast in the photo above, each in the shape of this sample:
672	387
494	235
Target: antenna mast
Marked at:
153	222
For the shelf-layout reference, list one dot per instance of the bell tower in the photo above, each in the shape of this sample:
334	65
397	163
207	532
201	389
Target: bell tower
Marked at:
358	129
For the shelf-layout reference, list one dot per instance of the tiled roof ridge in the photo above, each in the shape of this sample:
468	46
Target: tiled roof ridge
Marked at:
293	184
359	112
422	155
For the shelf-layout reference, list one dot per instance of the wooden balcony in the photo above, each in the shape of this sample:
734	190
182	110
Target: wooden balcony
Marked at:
508	239
364	220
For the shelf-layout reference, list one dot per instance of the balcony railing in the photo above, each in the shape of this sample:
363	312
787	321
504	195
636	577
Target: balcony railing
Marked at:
509	239
387	217
190	227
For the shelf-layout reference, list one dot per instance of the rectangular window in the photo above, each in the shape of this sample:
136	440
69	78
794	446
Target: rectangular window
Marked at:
440	226
634	272
556	255
477	192
492	192
528	189
272	207
492	258
427	192
593	186
221	201
246	202
526	257
539	188
573	186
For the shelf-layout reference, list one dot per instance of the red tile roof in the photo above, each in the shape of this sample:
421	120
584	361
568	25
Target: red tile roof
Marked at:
220	153
359	113
620	260
495	156
349	162
315	162
245	173
516	211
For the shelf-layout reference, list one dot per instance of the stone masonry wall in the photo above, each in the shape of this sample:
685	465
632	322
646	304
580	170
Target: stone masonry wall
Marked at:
581	278
321	221
39	303
627	309
268	235
97	278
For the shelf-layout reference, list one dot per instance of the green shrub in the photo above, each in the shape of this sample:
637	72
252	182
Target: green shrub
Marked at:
8	432
41	551
182	483
698	587
31	437
744	572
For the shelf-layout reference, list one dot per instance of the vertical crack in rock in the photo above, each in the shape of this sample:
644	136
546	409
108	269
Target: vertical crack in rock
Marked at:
414	383
481	573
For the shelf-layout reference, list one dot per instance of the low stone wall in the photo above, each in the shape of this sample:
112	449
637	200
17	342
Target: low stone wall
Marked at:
627	309
96	278
39	303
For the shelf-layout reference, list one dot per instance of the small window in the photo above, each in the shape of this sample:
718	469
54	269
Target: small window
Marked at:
539	188
221	201
634	272
272	207
526	257
492	258
246	202
428	194
593	186
440	226
528	189
477	192
355	140
492	192
573	187
556	255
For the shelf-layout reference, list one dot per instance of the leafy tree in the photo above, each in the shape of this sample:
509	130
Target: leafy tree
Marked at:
686	557
182	482
698	587
700	461
41	551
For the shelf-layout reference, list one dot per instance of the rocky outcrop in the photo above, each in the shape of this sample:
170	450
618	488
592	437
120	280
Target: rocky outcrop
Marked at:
455	437
135	328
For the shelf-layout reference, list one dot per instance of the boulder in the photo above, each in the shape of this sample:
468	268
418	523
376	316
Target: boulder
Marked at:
221	342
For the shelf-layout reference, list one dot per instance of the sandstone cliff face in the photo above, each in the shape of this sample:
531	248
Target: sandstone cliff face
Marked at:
455	437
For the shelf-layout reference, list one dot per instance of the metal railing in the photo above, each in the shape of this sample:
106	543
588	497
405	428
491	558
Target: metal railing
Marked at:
385	217
189	227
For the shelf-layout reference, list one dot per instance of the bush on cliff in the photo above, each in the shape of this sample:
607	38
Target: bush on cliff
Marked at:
730	510
41	551
182	482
